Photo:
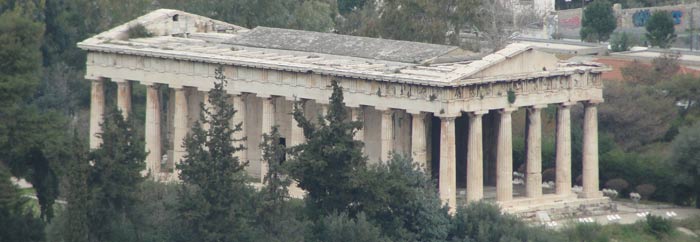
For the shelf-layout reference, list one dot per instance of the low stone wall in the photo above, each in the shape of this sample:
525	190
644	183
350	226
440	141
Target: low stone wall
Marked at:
629	20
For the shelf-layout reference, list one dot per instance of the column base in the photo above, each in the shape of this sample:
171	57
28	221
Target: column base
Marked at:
594	194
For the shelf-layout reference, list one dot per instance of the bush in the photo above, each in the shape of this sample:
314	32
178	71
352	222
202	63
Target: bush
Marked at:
658	226
645	190
585	232
340	227
480	221
549	174
620	42
138	31
618	184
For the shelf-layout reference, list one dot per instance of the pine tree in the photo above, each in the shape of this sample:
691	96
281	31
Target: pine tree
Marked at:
114	176
76	227
214	196
326	166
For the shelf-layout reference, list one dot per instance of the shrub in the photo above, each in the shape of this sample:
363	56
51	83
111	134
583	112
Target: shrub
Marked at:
480	221
585	232
340	227
645	190
658	226
138	31
620	42
549	174
618	184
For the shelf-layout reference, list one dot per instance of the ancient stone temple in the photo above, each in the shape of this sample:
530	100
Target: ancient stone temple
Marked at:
447	107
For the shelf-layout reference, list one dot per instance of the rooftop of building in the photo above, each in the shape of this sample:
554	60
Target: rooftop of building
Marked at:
181	35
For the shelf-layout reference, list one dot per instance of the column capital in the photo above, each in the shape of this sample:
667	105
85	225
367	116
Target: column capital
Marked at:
381	108
293	98
418	114
203	89
176	86
262	95
447	118
592	102
478	113
566	104
507	110
538	106
119	80
148	83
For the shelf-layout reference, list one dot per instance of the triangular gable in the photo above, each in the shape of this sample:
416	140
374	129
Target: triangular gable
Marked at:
168	22
513	59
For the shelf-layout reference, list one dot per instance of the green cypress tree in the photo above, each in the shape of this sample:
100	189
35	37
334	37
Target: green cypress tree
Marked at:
598	21
660	30
275	213
114	176
276	182
77	197
327	165
214	197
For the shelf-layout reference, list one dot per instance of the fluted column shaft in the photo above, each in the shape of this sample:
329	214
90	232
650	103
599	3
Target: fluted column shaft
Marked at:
180	126
475	158
590	151
97	107
124	97
448	181
239	118
504	157
563	150
418	144
152	130
387	139
534	153
268	120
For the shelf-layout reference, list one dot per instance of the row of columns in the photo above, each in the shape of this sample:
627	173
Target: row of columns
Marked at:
447	178
504	159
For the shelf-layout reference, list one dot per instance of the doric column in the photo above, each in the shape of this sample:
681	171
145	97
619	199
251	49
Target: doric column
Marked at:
590	151
268	120
123	96
447	179
239	118
475	157
387	139
418	144
504	157
97	109
180	127
534	152
152	130
357	116
563	149
297	132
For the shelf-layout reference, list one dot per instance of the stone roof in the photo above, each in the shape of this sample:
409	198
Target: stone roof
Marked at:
196	38
342	45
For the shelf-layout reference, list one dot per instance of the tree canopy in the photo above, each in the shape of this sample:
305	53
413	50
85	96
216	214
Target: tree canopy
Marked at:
660	29
598	21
